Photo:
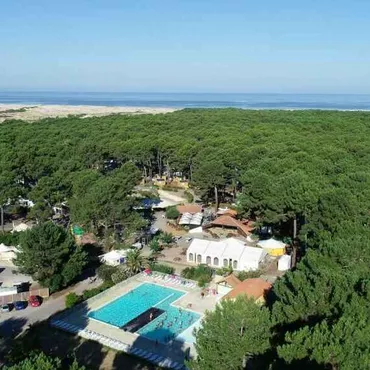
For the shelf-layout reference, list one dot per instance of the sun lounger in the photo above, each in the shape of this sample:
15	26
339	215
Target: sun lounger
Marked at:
148	355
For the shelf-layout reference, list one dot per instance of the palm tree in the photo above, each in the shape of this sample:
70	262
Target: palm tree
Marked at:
134	261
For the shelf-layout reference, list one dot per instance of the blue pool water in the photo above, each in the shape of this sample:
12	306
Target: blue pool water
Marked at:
164	328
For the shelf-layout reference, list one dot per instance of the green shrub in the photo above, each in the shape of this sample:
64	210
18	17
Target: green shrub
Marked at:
170	188
172	213
72	299
105	272
203	281
166	238
189	196
95	291
242	275
160	267
10	239
155	246
201	273
224	271
120	275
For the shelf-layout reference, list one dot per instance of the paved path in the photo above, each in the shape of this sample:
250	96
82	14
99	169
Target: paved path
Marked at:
9	276
15	322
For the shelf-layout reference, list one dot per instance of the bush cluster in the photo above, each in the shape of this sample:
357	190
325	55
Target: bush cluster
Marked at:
189	196
160	267
242	275
9	239
172	213
201	273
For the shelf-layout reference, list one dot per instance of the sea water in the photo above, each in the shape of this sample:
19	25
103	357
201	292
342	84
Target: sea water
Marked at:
192	100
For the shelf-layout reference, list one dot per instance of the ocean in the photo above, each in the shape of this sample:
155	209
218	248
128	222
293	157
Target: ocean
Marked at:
192	100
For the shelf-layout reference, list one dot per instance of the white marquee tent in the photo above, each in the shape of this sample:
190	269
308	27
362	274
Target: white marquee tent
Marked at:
227	252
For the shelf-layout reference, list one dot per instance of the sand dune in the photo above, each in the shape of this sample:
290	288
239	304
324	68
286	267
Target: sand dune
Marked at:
33	113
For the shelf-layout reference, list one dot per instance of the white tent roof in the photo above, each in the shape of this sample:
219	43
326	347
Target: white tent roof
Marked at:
196	219
235	248
198	246
252	254
189	219
185	219
230	248
113	255
271	244
216	249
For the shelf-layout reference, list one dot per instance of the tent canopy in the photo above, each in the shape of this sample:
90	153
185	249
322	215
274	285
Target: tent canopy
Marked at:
113	257
247	258
271	244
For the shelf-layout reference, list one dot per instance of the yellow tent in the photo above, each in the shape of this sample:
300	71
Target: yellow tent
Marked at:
273	247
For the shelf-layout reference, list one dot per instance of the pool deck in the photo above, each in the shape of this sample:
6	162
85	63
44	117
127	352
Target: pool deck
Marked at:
170	355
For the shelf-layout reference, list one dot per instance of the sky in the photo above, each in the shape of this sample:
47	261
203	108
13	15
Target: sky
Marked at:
251	46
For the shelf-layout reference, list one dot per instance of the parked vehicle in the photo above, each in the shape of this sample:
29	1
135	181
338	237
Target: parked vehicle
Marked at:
20	305
34	301
22	286
6	308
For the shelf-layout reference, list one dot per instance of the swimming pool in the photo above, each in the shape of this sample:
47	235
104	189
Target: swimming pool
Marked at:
165	327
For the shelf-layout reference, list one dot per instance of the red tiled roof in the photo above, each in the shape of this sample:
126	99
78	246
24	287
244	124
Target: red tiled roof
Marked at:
226	220
255	288
232	280
189	208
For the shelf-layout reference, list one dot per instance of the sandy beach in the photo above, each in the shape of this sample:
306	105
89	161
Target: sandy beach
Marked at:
33	113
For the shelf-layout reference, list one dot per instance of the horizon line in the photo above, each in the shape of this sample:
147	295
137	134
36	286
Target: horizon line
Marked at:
6	90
